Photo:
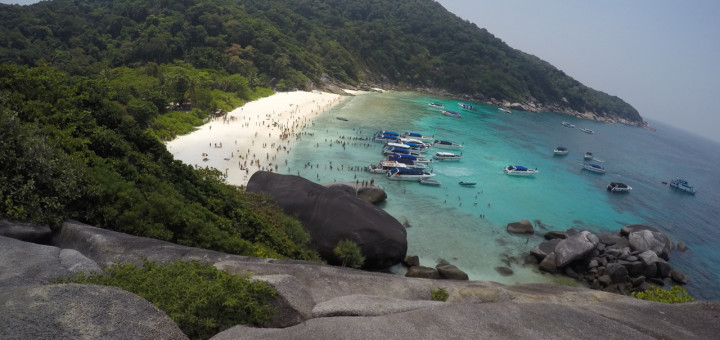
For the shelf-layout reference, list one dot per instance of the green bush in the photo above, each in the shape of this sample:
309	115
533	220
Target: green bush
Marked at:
439	294
676	294
350	254
202	300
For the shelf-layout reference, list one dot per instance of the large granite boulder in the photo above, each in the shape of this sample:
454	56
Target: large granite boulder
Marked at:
331	215
575	247
451	272
370	194
26	263
655	241
73	311
26	231
543	249
521	227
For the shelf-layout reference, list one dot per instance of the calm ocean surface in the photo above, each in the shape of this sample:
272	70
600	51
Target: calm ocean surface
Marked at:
466	225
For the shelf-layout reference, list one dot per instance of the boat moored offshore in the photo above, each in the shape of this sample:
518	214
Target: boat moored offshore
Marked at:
618	187
452	113
560	151
683	185
586	130
594	168
446	156
419	136
518	170
444	144
568	124
426	181
384	166
405	174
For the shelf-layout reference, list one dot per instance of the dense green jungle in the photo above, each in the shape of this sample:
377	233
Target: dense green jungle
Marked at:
89	90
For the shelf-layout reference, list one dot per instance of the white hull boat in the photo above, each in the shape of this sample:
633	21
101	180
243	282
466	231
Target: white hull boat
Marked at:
446	156
444	144
384	166
518	170
404	174
618	187
560	151
683	185
594	168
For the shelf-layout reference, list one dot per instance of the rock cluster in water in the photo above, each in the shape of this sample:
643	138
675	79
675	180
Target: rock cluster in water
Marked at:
443	270
631	261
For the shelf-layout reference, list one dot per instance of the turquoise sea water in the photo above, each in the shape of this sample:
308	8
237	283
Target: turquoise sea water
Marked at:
466	225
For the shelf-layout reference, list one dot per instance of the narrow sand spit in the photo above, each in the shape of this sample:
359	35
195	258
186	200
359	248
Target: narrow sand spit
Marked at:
253	137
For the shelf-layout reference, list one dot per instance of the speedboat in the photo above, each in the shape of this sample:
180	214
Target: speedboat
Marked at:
401	148
618	187
683	185
444	144
404	174
446	156
588	155
594	168
402	157
389	150
418	142
464	183
428	181
416	135
451	113
386	136
568	124
560	151
437	105
384	166
504	109
518	170
467	106
409	162
586	130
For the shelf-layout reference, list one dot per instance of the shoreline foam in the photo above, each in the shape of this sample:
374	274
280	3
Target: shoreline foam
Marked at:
256	136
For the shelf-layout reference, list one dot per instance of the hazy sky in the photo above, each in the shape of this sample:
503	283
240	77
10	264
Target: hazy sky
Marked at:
660	56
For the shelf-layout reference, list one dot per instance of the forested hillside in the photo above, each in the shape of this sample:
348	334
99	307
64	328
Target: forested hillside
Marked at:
286	44
90	89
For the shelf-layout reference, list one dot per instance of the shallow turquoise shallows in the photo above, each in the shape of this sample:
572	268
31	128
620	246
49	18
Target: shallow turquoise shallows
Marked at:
465	225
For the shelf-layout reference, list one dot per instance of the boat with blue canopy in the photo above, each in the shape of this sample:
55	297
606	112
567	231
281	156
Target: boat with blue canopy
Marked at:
519	170
405	174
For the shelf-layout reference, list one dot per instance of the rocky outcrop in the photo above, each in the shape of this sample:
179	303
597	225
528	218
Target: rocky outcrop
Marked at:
25	232
370	194
72	311
331	215
26	263
621	263
521	227
317	302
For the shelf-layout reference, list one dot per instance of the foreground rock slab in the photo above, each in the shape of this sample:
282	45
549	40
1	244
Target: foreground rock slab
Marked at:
623	319
73	311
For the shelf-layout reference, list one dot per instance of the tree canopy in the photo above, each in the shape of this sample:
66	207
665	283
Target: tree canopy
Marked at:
287	44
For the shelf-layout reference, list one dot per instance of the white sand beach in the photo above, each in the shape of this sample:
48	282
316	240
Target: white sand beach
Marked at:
253	137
